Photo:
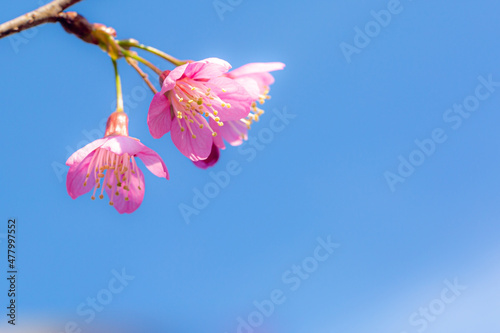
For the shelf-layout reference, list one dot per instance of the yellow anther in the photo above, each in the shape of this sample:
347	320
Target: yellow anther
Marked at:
221	123
200	101
224	90
193	136
126	199
214	133
193	88
111	203
216	112
139	188
84	183
201	125
191	121
217	119
99	185
223	104
92	197
182	129
117	193
101	175
101	196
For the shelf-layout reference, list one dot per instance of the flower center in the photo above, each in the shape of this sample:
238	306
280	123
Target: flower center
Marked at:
192	100
115	171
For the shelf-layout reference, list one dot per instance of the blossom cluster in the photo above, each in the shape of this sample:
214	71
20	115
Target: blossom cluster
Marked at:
202	104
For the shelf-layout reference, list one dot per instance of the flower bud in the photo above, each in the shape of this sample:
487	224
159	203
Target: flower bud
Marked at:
117	124
163	76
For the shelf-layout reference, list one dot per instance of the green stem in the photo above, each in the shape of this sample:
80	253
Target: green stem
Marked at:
141	59
119	94
155	51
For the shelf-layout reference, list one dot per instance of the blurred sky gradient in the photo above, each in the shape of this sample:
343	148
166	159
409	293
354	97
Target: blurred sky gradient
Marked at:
322	175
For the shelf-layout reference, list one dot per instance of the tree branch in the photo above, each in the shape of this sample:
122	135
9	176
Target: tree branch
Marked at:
46	14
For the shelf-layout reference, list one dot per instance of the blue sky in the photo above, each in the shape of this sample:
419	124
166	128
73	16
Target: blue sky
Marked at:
415	229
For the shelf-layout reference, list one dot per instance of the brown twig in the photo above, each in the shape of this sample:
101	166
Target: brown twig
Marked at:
144	76
48	13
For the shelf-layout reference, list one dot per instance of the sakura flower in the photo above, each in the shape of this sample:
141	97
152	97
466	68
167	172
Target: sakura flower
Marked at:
255	78
191	94
109	164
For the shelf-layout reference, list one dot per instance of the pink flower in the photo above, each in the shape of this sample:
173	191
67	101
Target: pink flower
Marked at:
210	160
191	94
255	78
112	160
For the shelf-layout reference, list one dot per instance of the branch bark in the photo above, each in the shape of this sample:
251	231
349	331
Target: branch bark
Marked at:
48	13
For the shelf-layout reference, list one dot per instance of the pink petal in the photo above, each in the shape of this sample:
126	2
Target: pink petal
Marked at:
235	94
81	153
159	116
135	196
207	69
171	79
77	176
120	145
153	162
196	149
256	67
234	132
218	138
262	79
251	86
210	160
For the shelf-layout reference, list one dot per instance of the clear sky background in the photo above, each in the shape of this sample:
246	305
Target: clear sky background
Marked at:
357	113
